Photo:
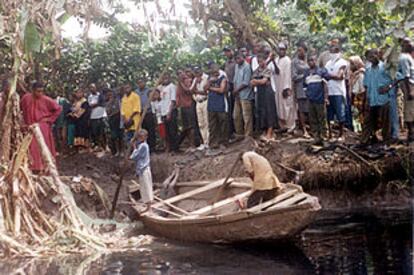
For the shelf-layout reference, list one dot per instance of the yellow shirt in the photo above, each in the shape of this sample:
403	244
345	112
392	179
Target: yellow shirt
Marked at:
129	105
264	178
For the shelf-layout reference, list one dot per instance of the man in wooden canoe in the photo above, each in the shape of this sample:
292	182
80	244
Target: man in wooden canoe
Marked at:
266	185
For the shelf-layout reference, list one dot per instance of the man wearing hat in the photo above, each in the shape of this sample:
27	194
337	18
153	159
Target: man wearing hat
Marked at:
285	101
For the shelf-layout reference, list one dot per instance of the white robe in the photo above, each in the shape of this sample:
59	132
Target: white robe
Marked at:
286	107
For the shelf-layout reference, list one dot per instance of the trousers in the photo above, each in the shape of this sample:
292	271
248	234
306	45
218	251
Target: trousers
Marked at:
378	118
218	122
202	117
243	117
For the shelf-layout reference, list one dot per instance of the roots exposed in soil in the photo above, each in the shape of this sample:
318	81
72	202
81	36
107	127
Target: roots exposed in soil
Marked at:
331	167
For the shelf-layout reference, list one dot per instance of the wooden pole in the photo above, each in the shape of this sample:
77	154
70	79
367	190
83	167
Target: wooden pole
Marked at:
124	165
226	181
360	158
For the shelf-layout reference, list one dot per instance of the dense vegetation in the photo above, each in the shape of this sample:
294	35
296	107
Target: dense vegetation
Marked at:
132	51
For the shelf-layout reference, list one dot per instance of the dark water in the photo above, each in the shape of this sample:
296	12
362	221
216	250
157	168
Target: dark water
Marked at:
359	247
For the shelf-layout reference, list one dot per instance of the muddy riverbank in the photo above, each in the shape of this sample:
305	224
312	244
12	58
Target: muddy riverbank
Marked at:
365	227
342	182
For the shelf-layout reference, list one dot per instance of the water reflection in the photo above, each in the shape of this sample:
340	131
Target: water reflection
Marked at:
354	248
369	248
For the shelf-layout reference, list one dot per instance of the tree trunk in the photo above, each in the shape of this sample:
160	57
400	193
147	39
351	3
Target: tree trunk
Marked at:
239	17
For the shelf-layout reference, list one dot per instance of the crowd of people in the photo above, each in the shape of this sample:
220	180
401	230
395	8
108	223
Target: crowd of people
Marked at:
258	93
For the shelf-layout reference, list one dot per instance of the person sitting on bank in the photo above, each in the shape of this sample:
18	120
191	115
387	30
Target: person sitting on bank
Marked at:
141	155
266	185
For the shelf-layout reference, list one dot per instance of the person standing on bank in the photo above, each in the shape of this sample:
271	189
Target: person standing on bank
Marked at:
186	106
96	103
285	101
41	109
316	90
376	82
169	111
141	156
217	107
299	68
243	103
200	96
405	75
130	111
265	98
229	68
113	111
148	122
336	68
79	114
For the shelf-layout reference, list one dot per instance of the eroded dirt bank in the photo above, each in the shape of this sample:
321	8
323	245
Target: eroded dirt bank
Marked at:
343	181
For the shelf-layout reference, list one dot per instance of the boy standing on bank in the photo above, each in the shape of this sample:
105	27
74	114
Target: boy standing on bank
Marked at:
317	92
141	155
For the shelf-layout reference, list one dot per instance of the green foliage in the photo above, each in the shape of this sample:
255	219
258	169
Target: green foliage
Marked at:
365	24
295	28
124	56
32	40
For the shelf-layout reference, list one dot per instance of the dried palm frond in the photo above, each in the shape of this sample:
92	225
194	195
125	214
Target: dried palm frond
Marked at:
40	213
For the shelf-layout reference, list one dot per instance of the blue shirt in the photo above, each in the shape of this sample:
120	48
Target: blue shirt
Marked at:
406	67
314	85
242	76
141	155
217	102
375	78
144	95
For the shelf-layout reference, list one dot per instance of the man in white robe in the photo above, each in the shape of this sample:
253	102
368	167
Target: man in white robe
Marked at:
285	101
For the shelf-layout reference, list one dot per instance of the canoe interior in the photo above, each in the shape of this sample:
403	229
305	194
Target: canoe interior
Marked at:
200	204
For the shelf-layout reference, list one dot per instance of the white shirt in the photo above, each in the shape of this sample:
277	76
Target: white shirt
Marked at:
200	88
222	73
168	94
156	108
99	111
336	87
254	63
272	68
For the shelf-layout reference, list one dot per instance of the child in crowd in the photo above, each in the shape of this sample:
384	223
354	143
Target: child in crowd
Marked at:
317	93
156	107
141	155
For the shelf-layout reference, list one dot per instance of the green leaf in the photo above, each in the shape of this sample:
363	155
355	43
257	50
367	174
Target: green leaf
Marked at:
32	40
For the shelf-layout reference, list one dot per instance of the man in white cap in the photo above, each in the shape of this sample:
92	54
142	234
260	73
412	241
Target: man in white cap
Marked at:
285	101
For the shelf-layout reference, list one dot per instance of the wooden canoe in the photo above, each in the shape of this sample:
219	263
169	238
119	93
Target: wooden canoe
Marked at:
190	216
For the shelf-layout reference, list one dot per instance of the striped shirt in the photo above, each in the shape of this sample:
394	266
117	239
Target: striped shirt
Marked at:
313	84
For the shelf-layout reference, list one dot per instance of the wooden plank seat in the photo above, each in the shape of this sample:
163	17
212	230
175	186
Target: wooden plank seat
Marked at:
278	199
220	204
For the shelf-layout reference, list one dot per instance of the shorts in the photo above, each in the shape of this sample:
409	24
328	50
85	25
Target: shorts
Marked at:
303	105
336	108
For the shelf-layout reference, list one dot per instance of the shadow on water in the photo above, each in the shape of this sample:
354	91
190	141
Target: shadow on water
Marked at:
353	248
